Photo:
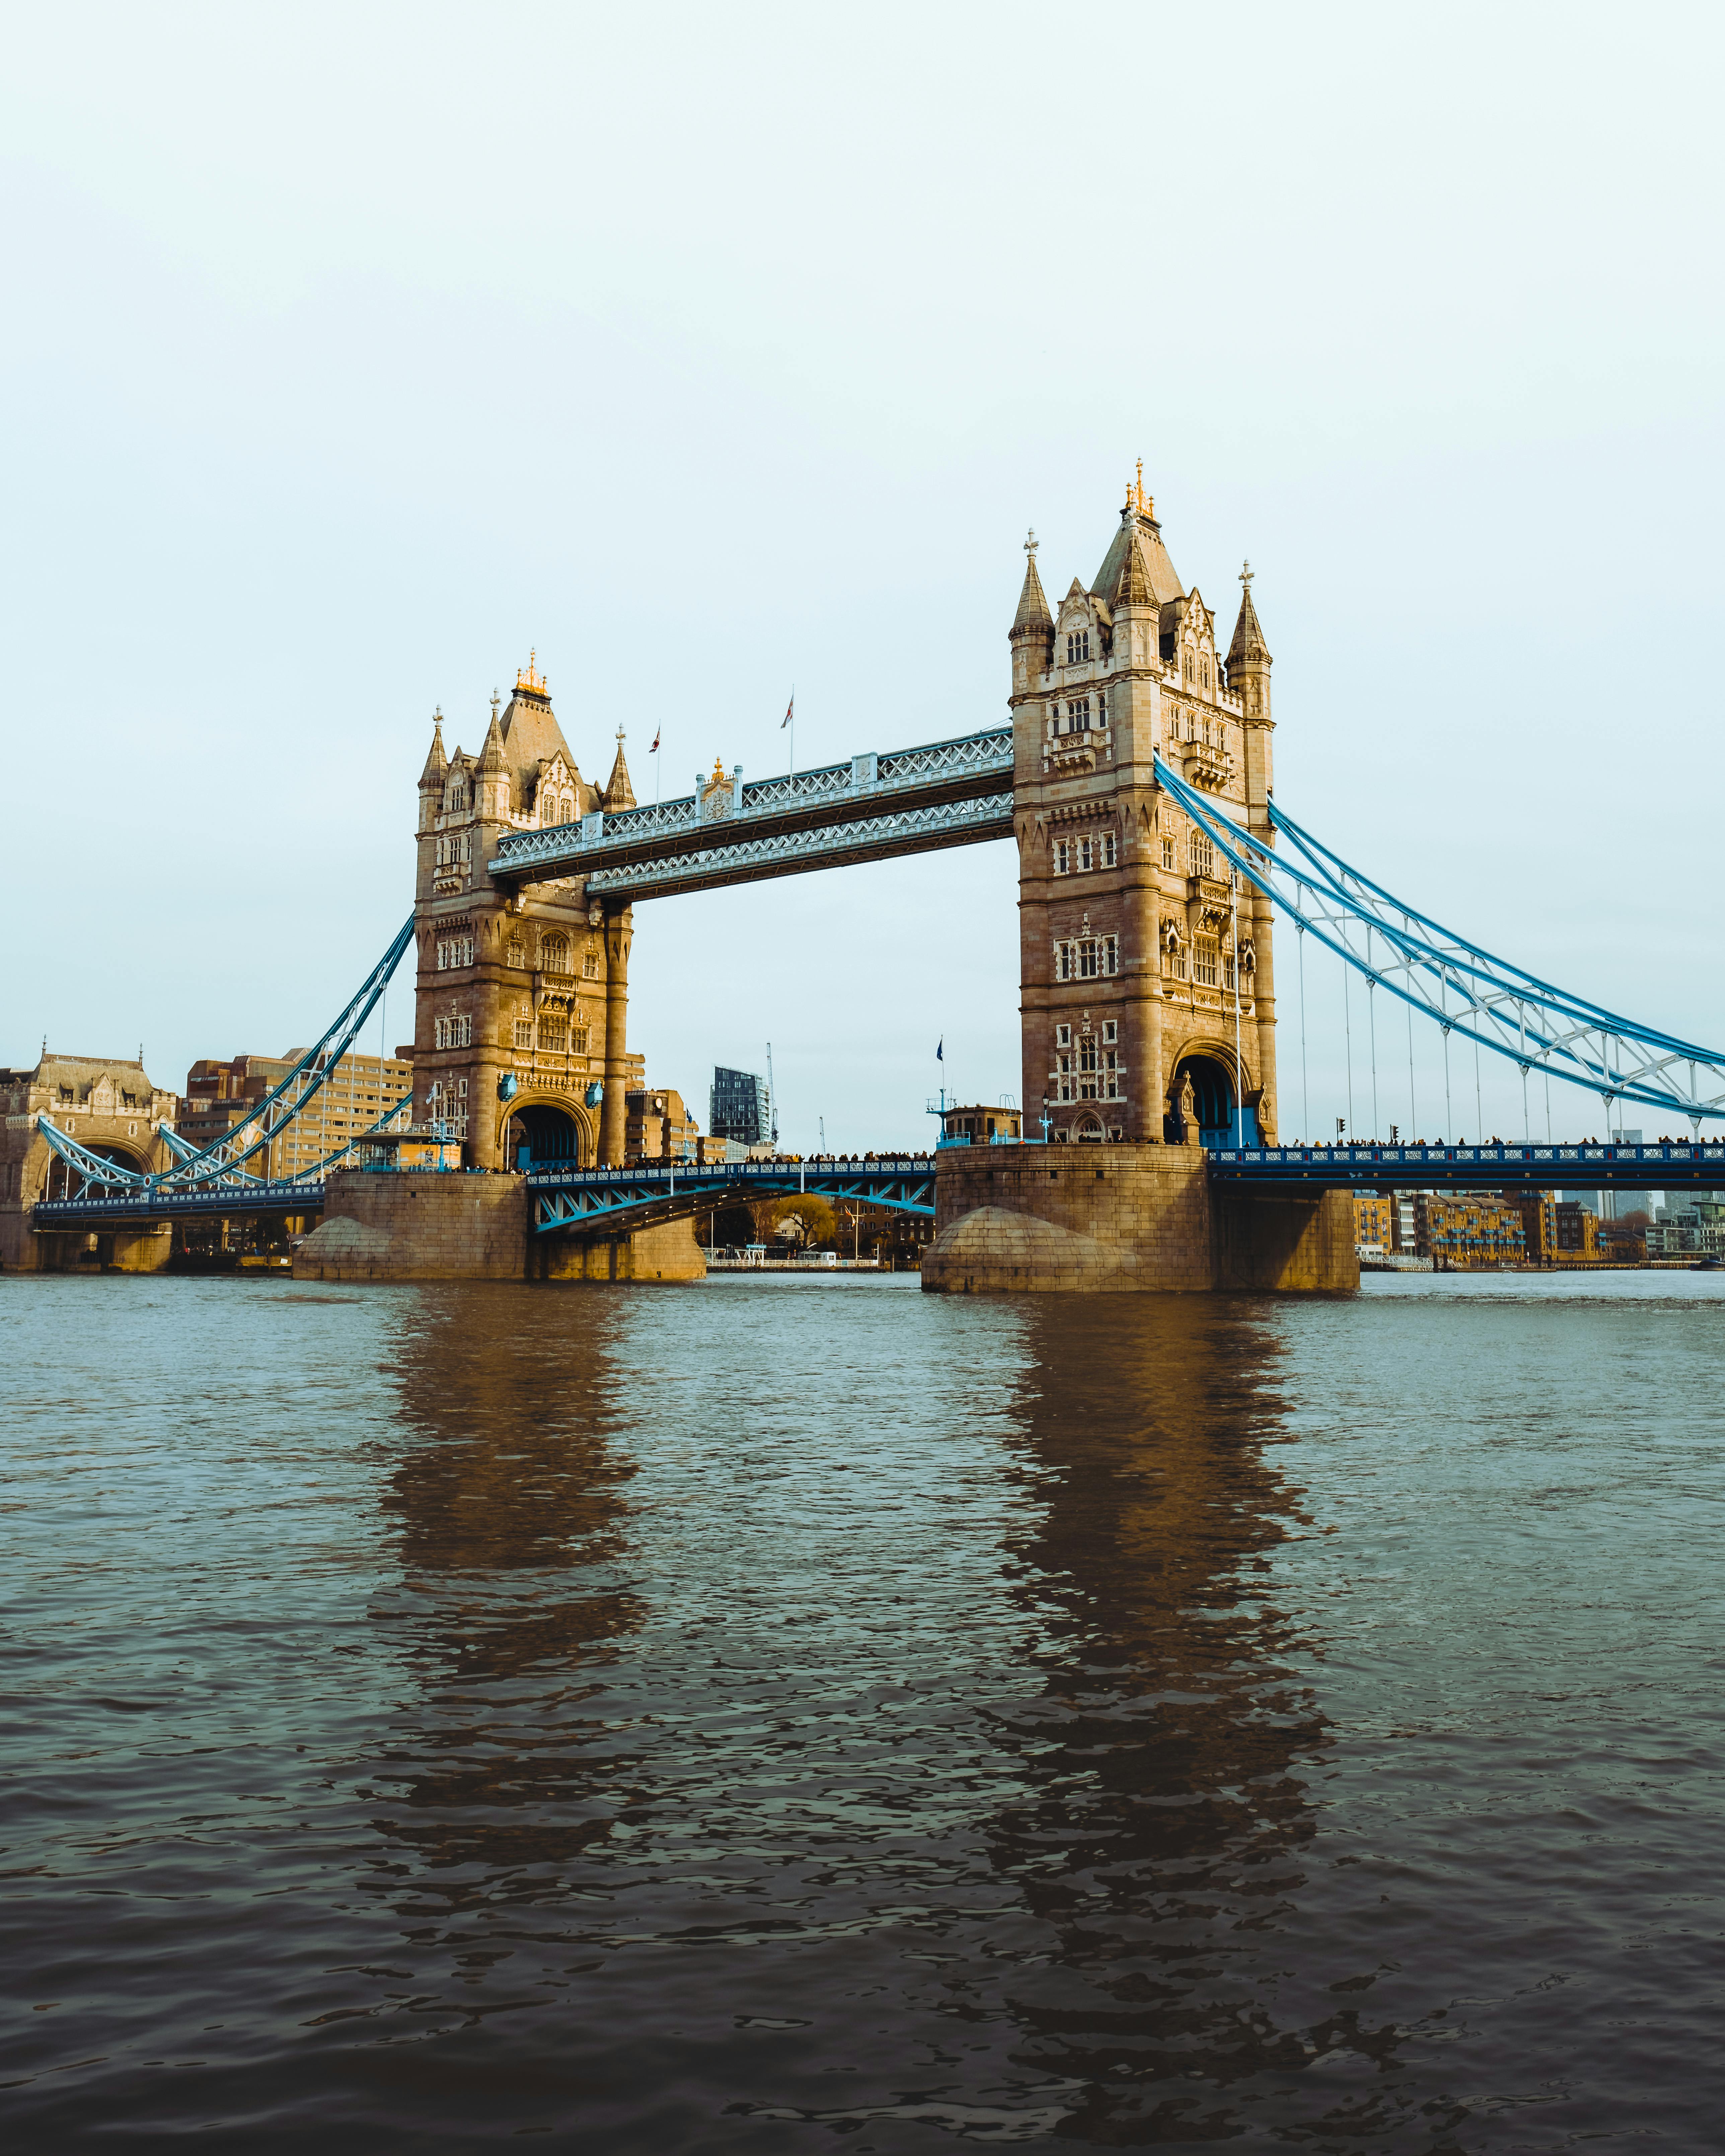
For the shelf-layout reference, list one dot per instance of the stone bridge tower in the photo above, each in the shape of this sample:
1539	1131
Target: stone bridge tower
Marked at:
1140	962
522	1000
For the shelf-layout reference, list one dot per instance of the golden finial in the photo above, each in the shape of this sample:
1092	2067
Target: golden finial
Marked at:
529	678
718	770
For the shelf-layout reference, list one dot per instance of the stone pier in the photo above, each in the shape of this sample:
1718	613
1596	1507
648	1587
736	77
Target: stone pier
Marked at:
473	1227
1125	1218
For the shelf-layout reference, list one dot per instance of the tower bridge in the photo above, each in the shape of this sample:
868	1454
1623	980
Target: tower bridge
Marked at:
1135	776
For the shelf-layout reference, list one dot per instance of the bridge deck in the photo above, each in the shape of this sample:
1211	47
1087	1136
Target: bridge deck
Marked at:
1663	1167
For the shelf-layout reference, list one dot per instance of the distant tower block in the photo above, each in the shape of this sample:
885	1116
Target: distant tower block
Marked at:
523	997
1133	941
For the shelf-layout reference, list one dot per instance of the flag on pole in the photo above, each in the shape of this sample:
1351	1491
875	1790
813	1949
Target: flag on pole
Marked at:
789	713
940	1051
654	750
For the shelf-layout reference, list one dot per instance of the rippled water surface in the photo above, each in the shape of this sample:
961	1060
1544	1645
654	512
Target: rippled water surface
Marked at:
771	1716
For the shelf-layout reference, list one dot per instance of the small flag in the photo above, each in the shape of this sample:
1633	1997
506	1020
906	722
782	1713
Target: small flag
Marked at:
940	1052
654	750
790	712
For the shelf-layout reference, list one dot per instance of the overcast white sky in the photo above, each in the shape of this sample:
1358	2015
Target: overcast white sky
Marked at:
349	352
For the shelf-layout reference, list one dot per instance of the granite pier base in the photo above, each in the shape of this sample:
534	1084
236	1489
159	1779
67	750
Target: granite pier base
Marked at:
1125	1219
473	1227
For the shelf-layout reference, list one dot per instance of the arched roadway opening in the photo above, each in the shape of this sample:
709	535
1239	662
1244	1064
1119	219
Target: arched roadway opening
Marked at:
545	1134
1214	1101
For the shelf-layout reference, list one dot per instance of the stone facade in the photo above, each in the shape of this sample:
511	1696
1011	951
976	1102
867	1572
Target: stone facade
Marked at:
1135	1217
382	1227
107	1103
1132	939
522	1001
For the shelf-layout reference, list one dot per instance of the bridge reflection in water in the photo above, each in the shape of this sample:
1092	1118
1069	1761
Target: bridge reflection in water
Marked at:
775	1758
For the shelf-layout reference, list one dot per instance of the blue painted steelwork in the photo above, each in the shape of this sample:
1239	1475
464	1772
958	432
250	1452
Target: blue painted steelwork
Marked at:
1464	989
899	802
1666	1166
737	858
577	1199
219	1164
139	1208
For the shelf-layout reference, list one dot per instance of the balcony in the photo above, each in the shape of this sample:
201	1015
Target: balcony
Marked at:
1203	765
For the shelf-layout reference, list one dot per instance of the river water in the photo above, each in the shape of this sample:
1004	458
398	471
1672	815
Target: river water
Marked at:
784	1715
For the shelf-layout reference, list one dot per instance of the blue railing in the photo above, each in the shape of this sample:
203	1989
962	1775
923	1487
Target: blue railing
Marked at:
1668	1165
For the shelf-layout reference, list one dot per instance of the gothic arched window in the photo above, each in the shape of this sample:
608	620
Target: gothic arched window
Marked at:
554	954
517	952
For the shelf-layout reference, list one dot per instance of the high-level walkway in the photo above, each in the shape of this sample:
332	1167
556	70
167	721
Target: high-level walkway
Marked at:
871	808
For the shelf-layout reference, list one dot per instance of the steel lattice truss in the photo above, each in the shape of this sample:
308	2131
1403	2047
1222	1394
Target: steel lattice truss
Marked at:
220	1168
733	857
589	1198
1465	990
865	789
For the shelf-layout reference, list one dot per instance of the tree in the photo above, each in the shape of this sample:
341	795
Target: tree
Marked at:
808	1218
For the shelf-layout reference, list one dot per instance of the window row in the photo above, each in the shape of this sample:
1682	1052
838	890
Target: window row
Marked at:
1087	957
553	955
1078	647
1212	967
453	952
454	848
555	1036
556	808
1074	716
456	1090
1076	856
1089	1069
456	1031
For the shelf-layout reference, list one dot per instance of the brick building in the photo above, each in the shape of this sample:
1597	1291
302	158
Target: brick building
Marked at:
659	1127
1373	1224
357	1092
1468	1230
1140	962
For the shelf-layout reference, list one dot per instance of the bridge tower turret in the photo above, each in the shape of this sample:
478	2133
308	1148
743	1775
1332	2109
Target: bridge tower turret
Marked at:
1248	663
522	994
1132	941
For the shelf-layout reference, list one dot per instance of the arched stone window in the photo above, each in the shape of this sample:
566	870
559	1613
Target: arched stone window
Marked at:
554	953
517	952
566	809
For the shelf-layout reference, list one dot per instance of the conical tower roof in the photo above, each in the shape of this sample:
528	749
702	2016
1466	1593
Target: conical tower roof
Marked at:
491	755
1248	645
1138	527
1033	614
436	763
618	793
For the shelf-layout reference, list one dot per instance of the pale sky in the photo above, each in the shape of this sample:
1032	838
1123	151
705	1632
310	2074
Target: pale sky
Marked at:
349	353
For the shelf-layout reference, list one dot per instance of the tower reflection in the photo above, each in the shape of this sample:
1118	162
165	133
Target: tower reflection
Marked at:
510	1501
1169	1756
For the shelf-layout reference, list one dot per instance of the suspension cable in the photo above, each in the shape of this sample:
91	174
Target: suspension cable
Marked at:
1304	1081
1348	1030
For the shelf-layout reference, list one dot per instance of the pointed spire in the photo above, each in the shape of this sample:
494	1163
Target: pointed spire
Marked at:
1248	646
1131	586
618	793
491	755
1033	618
436	763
